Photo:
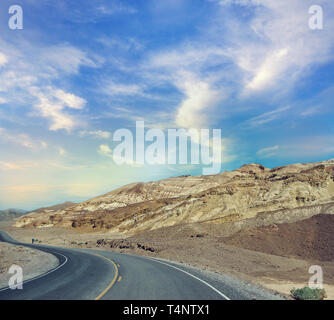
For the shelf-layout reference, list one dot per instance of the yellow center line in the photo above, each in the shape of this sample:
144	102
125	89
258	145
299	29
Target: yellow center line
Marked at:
112	281
120	278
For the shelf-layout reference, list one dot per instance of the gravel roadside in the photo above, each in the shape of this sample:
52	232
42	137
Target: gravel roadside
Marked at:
33	262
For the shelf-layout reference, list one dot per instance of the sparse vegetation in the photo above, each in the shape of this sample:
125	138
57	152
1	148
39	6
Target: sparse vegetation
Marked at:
307	293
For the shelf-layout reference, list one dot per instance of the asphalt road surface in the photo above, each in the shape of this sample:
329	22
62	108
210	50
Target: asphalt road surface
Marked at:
96	274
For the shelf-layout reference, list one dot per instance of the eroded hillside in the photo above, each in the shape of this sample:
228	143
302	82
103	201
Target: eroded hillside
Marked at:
250	192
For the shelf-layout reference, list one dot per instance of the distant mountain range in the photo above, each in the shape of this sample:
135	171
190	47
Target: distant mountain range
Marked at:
10	214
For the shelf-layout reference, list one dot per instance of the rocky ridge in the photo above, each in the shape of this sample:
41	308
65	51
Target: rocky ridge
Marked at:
251	192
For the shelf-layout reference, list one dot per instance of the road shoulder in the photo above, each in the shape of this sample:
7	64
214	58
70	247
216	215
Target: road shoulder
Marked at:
33	262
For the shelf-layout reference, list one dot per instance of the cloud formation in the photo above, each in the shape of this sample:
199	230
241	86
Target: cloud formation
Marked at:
51	104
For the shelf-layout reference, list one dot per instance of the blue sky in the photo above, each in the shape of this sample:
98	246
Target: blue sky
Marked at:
79	70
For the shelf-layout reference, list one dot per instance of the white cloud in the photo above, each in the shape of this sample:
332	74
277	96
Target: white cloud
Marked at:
232	57
199	98
9	166
275	46
61	151
311	111
237	2
51	105
24	80
105	150
268	152
268	71
3	59
65	58
185	69
21	139
44	144
13	80
97	134
115	89
124	44
68	99
194	57
2	100
266	117
115	8
307	146
24	194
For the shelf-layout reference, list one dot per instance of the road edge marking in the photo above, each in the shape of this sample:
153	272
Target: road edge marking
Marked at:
101	295
189	274
43	274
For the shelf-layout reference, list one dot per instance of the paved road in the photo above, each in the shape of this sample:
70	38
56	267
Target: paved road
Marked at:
78	276
96	274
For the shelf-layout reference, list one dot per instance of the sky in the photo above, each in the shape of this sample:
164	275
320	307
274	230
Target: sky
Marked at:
80	69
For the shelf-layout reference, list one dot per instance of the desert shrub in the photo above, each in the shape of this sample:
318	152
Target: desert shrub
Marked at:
307	293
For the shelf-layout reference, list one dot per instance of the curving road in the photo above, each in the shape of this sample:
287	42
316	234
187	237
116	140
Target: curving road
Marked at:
96	274
78	276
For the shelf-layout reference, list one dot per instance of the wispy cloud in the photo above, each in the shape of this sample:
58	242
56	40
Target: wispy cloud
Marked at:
266	117
311	111
200	97
3	59
65	58
96	134
105	150
116	7
23	82
51	105
123	44
20	139
310	145
277	45
268	152
62	151
117	89
9	166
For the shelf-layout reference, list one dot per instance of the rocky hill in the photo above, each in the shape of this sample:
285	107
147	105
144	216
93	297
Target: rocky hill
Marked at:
250	193
56	207
10	214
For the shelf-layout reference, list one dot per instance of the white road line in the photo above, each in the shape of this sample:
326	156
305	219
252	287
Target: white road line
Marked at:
189	274
42	275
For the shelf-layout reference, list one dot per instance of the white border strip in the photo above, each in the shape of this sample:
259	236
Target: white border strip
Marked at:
189	274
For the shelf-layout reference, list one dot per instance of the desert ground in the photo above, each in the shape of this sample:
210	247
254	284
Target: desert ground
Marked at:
276	257
33	262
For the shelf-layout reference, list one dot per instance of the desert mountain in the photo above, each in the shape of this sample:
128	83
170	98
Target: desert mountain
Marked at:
252	194
56	207
10	214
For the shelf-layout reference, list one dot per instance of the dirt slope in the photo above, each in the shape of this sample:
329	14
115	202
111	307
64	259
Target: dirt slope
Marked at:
311	238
